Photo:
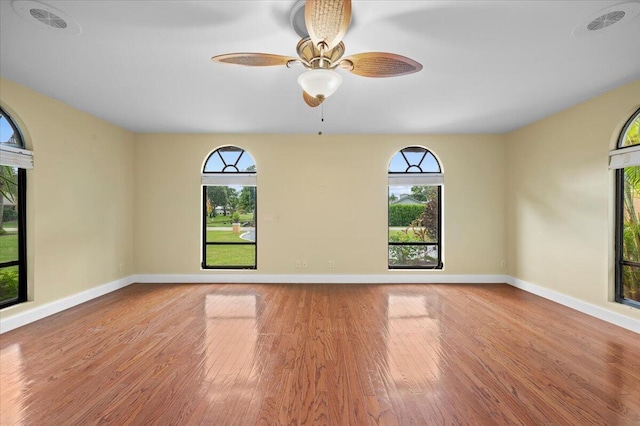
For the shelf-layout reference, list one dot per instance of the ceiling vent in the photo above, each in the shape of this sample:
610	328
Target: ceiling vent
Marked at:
46	17
600	21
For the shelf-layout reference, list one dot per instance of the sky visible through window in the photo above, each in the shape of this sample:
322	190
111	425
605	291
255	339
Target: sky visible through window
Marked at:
6	131
223	159
230	156
632	134
398	164
399	190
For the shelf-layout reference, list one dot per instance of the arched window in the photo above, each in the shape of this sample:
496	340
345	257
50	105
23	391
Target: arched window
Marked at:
626	161
415	210
229	210
14	160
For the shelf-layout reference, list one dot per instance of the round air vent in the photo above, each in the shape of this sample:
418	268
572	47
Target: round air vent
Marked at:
600	21
46	17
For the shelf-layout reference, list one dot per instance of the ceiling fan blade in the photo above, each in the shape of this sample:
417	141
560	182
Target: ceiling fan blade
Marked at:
311	100
327	21
253	59
380	64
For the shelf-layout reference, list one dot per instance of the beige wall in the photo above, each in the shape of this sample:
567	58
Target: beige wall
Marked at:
328	197
546	187
560	198
79	197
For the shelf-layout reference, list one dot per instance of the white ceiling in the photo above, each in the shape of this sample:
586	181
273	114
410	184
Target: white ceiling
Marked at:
489	66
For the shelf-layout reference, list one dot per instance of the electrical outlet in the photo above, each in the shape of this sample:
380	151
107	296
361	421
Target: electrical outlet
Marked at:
304	263
503	265
331	264
298	264
121	267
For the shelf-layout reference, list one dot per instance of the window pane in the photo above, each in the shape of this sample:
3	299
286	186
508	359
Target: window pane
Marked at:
8	214
230	218
214	163
632	134
230	154
229	159
231	255
413	216
8	134
413	255
9	245
631	283
227	205
9	283
631	224
414	160
9	275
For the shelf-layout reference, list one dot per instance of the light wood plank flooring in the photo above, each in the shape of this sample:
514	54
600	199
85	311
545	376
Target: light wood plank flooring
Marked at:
153	354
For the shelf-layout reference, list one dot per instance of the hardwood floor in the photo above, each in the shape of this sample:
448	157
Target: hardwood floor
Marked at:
319	354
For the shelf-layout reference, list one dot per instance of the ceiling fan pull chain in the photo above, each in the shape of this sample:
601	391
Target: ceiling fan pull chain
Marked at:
321	119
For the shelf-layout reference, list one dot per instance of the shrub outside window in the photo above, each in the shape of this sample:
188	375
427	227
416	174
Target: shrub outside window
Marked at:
415	210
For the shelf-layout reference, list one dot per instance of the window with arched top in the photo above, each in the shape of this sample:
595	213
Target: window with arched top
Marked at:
626	161
415	210
229	210
14	160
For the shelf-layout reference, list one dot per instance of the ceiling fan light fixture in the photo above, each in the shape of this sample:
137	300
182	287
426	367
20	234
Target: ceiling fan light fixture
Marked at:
320	82
321	52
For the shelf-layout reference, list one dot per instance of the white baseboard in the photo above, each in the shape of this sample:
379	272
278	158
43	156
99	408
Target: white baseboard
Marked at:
31	315
577	304
9	322
391	278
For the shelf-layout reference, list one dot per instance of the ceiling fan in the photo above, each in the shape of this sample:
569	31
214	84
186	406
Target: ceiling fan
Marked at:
321	53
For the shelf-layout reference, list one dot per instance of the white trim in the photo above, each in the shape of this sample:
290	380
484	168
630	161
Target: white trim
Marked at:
409	179
224	179
243	278
15	149
625	157
577	304
9	322
625	150
417	278
16	157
